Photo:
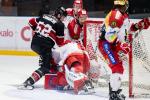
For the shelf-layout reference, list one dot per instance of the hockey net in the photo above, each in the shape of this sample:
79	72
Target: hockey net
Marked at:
136	82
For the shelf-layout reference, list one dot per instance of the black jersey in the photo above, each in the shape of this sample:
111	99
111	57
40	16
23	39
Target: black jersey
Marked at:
48	27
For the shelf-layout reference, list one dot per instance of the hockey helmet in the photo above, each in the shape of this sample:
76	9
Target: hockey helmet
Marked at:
82	15
78	3
121	2
60	10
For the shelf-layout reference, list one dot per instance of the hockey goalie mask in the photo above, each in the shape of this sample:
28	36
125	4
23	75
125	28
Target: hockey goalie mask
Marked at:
77	5
82	16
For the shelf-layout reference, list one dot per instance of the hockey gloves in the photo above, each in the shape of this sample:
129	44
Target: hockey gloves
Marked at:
143	24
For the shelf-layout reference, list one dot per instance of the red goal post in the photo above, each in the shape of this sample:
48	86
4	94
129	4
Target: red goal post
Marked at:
137	63
97	25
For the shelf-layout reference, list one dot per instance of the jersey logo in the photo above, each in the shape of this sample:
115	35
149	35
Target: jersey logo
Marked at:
118	14
109	53
75	37
113	24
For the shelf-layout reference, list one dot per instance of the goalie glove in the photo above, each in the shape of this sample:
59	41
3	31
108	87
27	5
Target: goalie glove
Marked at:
143	24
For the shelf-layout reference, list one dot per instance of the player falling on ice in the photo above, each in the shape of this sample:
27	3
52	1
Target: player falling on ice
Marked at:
113	39
74	65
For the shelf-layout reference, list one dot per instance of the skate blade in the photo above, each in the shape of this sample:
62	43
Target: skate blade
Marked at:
67	88
25	88
89	92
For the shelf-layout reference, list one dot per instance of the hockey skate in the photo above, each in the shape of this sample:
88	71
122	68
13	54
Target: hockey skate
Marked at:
115	95
26	86
67	87
88	88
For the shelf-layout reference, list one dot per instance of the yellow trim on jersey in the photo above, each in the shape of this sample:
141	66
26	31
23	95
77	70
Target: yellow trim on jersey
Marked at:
17	53
107	20
112	37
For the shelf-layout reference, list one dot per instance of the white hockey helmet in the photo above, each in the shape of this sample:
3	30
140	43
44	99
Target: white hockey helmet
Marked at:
77	5
78	2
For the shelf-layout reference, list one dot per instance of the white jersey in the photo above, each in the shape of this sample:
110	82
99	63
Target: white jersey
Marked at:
117	26
61	53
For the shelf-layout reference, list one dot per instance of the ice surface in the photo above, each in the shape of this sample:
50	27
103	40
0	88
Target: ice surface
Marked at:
15	69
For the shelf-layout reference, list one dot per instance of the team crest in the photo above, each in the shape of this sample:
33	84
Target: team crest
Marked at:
113	24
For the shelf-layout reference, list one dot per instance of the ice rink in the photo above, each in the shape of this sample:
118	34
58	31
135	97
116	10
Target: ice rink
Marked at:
15	69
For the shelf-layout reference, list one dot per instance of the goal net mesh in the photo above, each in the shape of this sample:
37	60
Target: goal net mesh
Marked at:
136	82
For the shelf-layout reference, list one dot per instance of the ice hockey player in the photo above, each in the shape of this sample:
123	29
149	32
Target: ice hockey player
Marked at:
74	62
49	31
113	39
75	27
72	12
78	4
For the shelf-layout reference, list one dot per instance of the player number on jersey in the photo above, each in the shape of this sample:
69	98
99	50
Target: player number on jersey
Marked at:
43	29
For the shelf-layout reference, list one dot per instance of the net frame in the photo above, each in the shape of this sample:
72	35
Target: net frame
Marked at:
130	83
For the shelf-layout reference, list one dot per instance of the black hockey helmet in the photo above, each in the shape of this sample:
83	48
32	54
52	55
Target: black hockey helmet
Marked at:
60	10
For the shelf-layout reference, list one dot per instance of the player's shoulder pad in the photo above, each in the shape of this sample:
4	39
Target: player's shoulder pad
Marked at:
33	22
69	11
116	18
